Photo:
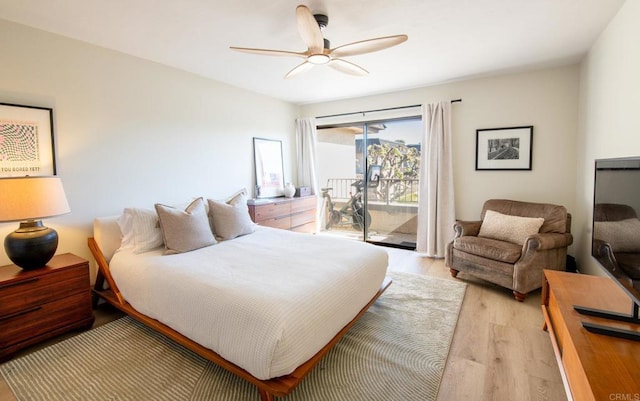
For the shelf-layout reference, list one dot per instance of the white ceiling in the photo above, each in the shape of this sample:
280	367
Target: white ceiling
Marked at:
448	39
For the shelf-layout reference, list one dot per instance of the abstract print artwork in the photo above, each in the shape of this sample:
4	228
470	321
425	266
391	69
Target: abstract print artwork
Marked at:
26	141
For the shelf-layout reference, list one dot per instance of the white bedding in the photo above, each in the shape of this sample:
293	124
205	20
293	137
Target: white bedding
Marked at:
266	301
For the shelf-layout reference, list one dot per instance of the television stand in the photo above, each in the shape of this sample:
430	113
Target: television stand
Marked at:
593	367
609	330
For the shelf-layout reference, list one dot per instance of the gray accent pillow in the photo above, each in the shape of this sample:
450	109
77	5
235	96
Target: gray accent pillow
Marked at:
185	230
231	218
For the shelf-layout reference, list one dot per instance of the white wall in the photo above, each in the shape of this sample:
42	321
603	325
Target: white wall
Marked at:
546	99
131	132
609	104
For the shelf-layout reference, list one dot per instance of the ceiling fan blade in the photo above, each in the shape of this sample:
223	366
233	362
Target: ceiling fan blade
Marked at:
299	69
367	46
347	67
267	52
309	30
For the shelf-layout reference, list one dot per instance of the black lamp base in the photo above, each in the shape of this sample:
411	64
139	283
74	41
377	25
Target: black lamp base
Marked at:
32	245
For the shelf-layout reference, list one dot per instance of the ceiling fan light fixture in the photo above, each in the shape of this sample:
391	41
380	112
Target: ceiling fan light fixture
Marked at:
322	20
319	59
319	51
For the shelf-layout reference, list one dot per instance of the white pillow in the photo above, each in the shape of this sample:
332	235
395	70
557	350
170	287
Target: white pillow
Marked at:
140	229
125	222
187	230
509	228
623	235
231	219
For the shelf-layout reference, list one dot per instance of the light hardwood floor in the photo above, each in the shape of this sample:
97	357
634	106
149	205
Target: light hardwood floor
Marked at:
499	350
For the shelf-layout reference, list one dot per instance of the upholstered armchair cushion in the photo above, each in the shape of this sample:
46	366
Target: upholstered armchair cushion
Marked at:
515	266
502	251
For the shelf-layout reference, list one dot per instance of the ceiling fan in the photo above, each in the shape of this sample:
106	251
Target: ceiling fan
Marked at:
319	50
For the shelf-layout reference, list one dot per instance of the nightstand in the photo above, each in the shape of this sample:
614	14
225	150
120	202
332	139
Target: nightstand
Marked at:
39	304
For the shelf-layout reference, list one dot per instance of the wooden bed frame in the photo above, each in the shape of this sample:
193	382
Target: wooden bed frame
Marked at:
268	389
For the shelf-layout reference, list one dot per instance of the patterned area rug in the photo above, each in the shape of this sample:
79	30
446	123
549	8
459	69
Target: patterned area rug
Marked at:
396	351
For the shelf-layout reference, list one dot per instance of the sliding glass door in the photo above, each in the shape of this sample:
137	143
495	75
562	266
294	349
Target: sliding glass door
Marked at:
370	175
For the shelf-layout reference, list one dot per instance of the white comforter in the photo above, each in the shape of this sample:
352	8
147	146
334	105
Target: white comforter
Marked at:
267	301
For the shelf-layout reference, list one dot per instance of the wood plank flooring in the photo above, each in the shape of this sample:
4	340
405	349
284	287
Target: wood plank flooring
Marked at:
499	350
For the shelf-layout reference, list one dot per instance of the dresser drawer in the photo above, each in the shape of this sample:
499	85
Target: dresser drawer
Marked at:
304	204
280	222
24	294
271	210
41	319
302	218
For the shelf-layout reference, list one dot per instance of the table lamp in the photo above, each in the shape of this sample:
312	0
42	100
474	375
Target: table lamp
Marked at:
27	200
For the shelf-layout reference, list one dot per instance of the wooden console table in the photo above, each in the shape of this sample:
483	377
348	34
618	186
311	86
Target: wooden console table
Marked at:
594	367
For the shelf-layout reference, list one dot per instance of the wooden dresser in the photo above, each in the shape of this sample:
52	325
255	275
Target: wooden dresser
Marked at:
39	304
295	214
594	367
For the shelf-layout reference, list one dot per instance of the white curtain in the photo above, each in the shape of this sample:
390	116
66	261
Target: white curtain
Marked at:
306	146
436	207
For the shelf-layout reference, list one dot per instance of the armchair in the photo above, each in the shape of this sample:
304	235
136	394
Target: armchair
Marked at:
514	257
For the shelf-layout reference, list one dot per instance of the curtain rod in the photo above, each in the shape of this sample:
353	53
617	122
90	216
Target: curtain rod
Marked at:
373	111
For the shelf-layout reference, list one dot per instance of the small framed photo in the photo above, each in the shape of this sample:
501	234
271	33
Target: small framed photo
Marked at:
26	141
508	148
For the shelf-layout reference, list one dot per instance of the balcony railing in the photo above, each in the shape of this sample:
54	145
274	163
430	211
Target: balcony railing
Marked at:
389	191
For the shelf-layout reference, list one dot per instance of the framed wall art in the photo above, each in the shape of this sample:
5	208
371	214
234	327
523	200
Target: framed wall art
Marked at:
267	155
26	141
508	148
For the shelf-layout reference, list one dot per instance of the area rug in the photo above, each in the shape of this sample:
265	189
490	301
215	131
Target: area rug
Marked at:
396	351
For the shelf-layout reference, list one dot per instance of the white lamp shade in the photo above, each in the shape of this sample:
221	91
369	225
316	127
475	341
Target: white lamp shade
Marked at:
31	198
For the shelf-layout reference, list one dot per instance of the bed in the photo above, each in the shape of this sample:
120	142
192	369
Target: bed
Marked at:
266	306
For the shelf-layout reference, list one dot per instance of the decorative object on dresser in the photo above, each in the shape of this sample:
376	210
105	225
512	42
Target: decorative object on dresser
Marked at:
302	191
29	199
39	304
593	367
295	214
289	190
269	170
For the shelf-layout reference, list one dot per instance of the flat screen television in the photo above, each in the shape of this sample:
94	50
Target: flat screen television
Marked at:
616	236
